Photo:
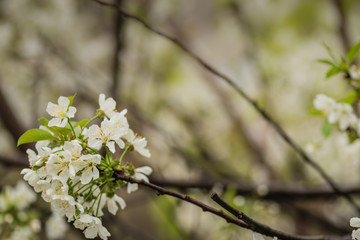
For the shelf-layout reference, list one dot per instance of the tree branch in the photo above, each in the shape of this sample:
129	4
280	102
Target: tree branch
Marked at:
273	192
252	102
343	24
118	43
260	228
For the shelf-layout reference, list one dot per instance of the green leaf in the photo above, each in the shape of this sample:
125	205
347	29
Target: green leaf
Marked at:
352	52
71	99
58	131
329	51
316	112
333	71
63	131
326	62
34	135
44	121
350	97
326	128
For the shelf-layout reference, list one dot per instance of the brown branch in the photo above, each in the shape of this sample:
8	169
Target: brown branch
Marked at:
252	102
262	228
273	192
343	24
239	222
19	161
118	43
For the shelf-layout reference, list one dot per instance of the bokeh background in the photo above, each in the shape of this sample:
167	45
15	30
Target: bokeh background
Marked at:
199	129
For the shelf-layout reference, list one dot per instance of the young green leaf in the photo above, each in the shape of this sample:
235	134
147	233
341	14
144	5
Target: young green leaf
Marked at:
330	52
352	52
333	71
326	128
350	97
316	112
326	62
71	99
44	121
34	135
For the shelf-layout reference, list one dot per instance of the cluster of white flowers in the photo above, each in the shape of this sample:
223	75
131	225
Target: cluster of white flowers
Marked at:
355	222
340	113
69	171
17	219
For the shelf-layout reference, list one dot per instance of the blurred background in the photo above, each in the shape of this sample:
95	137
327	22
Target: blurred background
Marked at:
202	135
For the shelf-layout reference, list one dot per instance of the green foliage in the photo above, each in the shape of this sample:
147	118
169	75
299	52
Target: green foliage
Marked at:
34	135
333	71
350	97
352	53
326	128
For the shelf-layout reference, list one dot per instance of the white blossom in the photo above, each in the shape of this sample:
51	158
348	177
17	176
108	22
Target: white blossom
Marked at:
342	113
354	72
141	173
138	142
107	135
59	166
60	112
324	103
93	227
41	156
66	206
113	202
87	165
56	227
73	148
108	106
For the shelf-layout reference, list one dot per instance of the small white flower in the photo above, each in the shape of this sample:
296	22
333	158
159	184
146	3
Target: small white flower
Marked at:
30	176
43	153
56	227
87	164
120	122
356	234
138	142
108	106
66	206
354	72
342	113
74	148
355	222
324	103
107	134
93	227
59	167
21	196
112	203
57	190
60	112
141	173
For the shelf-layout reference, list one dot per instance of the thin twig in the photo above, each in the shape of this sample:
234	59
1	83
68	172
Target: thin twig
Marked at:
252	102
272	191
343	24
259	227
118	43
265	230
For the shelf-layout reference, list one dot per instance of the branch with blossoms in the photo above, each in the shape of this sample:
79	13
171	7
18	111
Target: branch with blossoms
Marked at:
248	224
69	170
277	127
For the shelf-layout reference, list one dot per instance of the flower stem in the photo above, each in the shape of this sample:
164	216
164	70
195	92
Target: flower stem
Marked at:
123	154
